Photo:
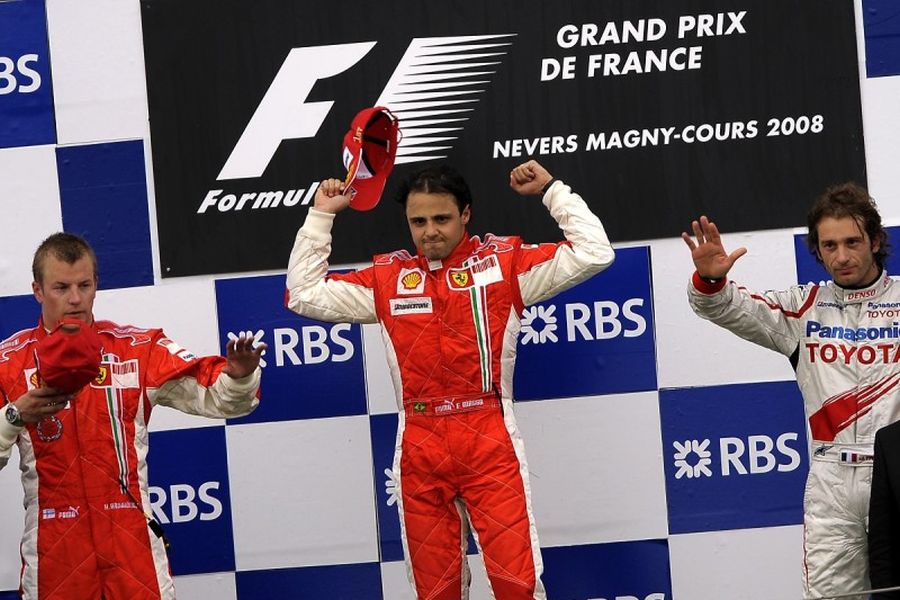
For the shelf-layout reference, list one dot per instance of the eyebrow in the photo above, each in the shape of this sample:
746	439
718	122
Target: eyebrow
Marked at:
438	215
843	239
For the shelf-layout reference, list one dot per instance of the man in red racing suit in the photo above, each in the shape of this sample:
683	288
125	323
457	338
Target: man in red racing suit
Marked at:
83	453
842	339
450	318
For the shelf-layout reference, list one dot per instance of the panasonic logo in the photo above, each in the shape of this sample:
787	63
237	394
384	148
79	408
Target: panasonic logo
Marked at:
853	334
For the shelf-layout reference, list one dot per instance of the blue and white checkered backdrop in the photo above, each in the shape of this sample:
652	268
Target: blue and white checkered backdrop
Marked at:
667	457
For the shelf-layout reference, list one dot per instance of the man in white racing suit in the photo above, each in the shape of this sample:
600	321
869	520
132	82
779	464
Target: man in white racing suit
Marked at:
842	340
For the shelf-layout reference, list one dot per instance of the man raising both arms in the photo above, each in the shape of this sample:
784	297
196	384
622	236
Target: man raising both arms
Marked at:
844	351
450	317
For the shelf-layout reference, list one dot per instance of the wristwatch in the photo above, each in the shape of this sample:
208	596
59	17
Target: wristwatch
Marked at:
13	417
710	280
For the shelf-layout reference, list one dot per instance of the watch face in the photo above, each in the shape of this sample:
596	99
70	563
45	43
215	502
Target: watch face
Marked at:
12	415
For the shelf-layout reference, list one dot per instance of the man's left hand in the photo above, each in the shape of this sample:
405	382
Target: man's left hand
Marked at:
242	357
529	178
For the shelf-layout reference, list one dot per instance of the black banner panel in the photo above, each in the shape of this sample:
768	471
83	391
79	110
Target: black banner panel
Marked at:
656	111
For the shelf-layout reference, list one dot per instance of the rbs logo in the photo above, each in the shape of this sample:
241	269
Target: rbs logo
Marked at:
758	454
602	320
181	503
308	345
18	75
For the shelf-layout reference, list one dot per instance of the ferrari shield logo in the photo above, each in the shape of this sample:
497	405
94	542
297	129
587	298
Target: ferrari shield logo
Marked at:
460	278
101	376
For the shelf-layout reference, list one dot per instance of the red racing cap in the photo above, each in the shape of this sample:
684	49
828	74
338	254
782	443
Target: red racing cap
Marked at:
369	151
68	358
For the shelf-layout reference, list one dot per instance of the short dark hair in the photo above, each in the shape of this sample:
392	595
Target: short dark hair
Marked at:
848	200
437	179
66	247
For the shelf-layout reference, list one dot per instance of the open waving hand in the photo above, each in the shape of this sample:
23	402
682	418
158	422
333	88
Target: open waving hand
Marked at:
242	357
709	255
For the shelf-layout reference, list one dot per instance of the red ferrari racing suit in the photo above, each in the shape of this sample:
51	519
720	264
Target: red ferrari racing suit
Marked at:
844	345
450	328
86	537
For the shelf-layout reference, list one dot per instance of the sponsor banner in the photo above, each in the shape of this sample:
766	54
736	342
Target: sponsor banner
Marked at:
384	441
103	195
630	571
810	271
190	498
26	96
360	580
735	456
596	338
311	369
881	20
697	94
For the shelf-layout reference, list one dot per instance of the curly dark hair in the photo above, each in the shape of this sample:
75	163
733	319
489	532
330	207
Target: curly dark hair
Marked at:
437	179
848	200
66	247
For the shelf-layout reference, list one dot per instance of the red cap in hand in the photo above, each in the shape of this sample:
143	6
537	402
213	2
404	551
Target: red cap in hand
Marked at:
68	358
369	151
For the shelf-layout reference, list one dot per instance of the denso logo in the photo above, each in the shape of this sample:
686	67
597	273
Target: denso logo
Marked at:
307	345
860	295
853	334
602	320
182	503
16	74
755	455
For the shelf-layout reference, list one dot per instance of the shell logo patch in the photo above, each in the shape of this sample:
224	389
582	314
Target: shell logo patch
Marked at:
411	281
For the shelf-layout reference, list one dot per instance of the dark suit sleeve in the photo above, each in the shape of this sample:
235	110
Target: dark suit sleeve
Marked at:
884	513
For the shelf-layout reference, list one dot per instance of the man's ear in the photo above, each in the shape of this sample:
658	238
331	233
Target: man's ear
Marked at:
38	292
876	244
466	215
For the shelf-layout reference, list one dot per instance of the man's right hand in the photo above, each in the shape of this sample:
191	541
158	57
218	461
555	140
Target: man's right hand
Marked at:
330	197
710	258
40	403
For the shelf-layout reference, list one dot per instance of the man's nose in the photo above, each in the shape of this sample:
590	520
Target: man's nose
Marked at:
75	295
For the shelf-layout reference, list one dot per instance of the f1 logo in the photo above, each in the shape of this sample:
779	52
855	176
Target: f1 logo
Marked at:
278	117
418	81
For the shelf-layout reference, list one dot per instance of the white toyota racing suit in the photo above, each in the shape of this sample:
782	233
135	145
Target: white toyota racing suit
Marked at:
843	344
